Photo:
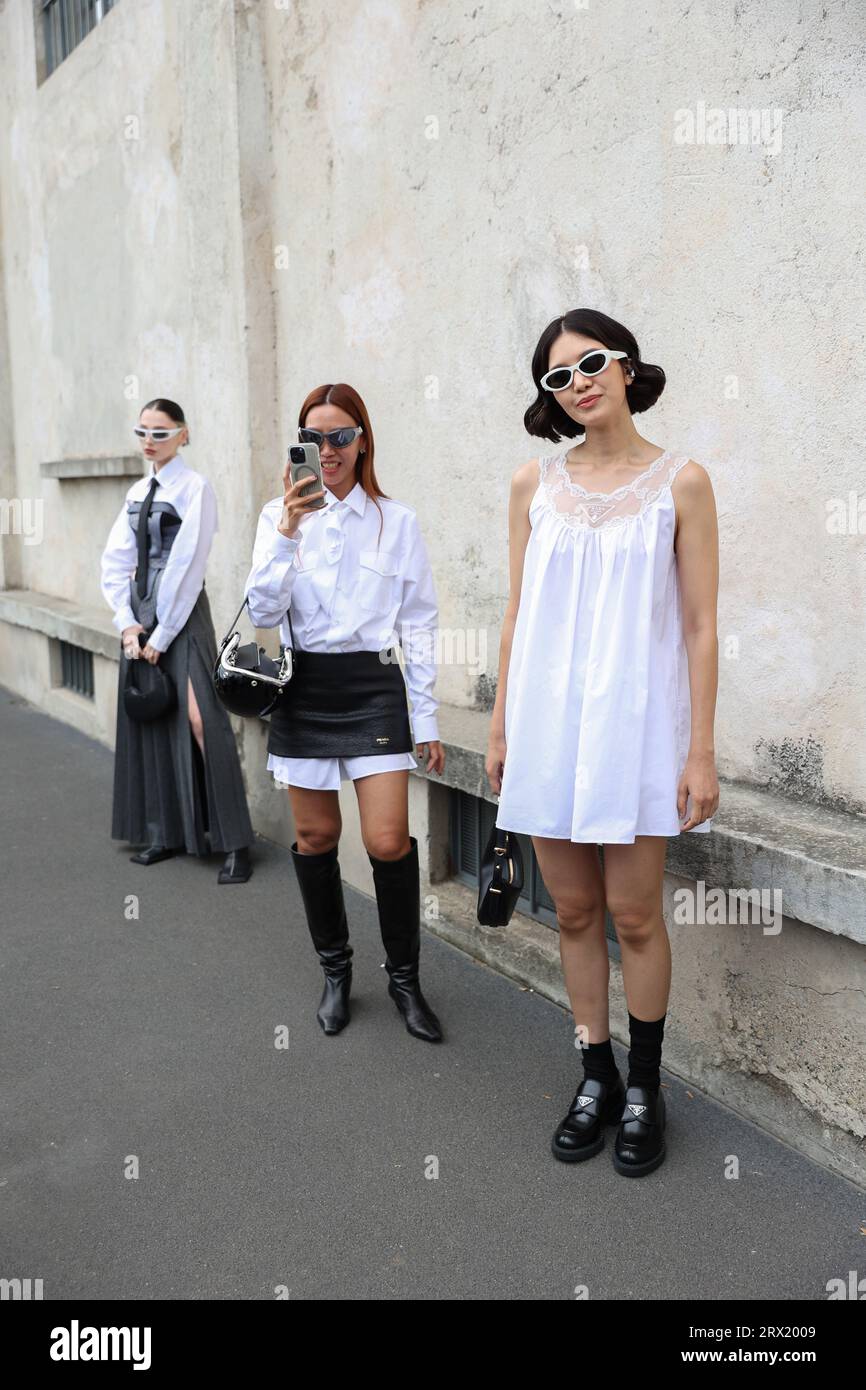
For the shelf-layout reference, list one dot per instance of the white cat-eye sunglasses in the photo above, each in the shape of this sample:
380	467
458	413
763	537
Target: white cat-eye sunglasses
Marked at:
591	364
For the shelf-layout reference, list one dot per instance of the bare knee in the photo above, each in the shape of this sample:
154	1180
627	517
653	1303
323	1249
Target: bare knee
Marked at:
578	912
317	839
385	843
634	922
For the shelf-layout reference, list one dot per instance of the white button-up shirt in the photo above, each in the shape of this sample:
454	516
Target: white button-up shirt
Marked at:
194	500
349	594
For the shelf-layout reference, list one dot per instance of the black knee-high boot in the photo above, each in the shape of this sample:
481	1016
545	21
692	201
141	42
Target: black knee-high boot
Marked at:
398	898
322	893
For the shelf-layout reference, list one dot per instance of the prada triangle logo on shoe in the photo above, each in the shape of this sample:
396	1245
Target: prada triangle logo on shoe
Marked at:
585	1100
637	1109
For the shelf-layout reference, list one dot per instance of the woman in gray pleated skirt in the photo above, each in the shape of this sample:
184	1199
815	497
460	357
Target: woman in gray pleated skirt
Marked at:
177	778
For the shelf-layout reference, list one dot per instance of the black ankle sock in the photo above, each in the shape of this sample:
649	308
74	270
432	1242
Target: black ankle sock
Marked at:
599	1061
645	1053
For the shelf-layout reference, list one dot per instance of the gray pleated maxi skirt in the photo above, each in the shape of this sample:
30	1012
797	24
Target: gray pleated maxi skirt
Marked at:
157	799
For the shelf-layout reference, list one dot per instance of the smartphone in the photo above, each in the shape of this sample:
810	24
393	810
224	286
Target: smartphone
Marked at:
304	462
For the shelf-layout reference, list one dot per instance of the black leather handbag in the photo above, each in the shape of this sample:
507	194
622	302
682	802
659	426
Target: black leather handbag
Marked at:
500	878
248	681
148	691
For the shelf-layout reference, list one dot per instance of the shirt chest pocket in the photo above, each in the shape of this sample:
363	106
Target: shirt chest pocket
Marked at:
378	580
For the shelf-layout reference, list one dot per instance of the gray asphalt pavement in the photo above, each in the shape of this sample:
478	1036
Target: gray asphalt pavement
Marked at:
150	1040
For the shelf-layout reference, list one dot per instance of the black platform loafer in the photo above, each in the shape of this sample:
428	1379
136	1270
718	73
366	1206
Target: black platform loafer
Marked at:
153	854
640	1141
581	1133
237	867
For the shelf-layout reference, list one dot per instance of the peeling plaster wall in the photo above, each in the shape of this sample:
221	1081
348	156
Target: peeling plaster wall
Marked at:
444	178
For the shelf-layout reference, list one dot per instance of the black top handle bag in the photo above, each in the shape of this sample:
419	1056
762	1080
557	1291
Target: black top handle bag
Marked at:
500	878
148	691
248	681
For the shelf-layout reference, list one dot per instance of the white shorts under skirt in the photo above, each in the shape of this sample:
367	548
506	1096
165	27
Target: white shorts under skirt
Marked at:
326	774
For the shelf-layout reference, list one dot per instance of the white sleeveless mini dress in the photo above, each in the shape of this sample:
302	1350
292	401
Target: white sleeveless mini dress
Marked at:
597	710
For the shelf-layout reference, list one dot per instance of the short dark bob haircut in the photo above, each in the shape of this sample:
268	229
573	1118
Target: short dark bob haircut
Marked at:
546	417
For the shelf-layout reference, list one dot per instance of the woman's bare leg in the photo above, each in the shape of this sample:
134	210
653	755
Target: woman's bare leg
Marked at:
383	803
318	823
633	877
572	874
195	719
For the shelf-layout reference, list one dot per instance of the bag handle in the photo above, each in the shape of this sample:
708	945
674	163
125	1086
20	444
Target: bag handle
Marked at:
235	623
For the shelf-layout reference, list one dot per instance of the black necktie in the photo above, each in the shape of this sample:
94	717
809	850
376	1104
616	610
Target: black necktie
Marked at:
143	547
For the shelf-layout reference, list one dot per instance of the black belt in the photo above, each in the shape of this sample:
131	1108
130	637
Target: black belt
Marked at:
342	704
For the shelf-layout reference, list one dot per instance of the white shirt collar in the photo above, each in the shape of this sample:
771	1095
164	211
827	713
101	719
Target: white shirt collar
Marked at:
356	499
168	471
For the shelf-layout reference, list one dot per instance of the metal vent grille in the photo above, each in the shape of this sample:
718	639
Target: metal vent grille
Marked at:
76	669
65	23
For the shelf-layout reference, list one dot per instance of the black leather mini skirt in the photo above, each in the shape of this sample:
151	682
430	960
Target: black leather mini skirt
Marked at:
342	704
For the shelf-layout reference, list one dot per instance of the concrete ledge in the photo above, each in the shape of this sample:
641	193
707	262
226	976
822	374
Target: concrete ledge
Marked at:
90	628
760	840
118	466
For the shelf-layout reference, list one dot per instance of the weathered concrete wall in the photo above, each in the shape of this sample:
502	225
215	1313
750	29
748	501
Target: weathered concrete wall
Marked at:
124	269
448	178
230	203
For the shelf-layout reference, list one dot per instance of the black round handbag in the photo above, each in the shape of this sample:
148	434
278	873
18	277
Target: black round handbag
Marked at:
500	878
248	681
148	691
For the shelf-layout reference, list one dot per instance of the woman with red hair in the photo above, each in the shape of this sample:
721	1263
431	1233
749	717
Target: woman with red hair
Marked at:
340	579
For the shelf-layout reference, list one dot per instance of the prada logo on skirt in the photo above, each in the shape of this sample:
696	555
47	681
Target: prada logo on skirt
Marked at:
384	739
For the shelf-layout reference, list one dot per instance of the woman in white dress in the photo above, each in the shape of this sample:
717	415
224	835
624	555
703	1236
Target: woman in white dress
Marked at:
602	728
341	581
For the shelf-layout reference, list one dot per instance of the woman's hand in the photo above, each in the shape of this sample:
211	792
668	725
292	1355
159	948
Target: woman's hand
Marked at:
129	638
294	506
495	764
151	654
699	781
437	755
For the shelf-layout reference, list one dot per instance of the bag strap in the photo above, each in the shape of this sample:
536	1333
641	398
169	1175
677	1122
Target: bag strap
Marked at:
235	623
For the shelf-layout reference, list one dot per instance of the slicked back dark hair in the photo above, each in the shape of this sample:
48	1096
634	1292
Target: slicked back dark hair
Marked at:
169	408
546	417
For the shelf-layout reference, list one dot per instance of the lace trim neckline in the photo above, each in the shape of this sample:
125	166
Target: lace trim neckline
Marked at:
622	491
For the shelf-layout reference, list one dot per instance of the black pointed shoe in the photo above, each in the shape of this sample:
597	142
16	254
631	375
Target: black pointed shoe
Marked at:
581	1133
153	854
639	1146
404	988
237	867
333	1010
